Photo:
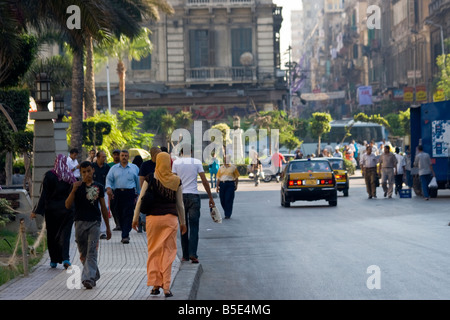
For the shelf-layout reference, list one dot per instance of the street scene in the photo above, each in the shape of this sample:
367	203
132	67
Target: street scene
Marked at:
214	150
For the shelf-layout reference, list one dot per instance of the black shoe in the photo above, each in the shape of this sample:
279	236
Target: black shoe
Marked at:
88	284
155	292
370	197
168	294
385	194
103	236
125	240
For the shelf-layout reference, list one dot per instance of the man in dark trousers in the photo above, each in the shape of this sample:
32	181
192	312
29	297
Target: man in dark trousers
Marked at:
87	195
123	178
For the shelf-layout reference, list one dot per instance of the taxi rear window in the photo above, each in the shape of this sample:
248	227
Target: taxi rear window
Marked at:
310	166
337	164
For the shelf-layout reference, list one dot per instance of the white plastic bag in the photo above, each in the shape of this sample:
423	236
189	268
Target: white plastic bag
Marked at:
262	175
215	215
433	183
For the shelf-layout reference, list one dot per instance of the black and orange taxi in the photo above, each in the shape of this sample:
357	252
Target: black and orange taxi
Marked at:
341	175
308	180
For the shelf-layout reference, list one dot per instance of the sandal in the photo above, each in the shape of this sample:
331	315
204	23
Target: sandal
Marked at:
168	294
155	291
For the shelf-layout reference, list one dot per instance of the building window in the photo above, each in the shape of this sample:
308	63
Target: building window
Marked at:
143	64
202	53
241	41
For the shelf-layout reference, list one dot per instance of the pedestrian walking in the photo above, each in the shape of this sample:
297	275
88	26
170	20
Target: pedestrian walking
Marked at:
388	168
257	169
408	168
368	165
147	167
73	164
401	170
92	156
138	161
111	202
101	170
423	162
87	195
122	185
213	168
277	162
116	157
55	189
187	168
227	184
337	153
162	219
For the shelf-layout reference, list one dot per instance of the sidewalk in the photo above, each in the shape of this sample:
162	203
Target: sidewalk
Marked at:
123	276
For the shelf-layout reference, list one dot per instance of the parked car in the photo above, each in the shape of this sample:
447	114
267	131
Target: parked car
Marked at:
269	170
308	180
341	174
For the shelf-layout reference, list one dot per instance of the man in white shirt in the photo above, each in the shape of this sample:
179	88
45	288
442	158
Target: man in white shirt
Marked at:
401	170
187	168
72	163
368	165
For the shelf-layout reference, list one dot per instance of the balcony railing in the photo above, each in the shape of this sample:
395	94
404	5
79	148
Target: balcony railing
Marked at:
221	74
198	3
435	6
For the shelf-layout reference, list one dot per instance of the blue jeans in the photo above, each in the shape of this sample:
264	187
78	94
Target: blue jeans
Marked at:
189	240
425	181
226	194
213	180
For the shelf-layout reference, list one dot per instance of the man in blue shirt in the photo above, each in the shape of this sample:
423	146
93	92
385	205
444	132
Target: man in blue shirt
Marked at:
122	185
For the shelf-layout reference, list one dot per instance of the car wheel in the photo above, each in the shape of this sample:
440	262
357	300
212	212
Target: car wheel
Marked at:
284	203
332	203
345	192
267	176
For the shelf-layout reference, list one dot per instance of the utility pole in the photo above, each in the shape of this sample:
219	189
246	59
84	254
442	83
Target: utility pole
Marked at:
289	65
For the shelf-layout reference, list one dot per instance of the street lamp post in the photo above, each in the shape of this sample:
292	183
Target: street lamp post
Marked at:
59	106
44	140
43	96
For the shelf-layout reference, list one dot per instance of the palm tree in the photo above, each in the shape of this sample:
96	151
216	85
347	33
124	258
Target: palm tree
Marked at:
134	49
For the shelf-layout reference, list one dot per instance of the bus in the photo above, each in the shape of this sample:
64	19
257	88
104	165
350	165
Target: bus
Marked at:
359	131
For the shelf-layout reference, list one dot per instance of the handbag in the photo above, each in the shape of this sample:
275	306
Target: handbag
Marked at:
215	215
433	183
147	199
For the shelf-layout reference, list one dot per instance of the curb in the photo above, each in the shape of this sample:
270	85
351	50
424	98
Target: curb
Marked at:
186	282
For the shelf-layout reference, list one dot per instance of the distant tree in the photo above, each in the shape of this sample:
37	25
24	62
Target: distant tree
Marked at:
320	124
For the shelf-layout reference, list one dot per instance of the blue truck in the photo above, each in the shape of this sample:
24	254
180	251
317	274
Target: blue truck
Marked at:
430	127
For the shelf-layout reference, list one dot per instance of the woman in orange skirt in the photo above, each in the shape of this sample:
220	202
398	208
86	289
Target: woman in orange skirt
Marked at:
162	219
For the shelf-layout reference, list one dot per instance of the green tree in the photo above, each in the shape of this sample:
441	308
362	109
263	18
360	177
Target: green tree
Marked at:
320	124
443	62
167	127
123	47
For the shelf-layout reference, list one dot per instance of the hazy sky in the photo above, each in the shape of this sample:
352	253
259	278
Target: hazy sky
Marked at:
287	5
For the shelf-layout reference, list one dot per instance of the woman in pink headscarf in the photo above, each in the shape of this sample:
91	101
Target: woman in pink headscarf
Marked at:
54	191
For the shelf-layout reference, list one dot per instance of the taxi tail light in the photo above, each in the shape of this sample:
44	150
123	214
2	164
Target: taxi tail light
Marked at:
295	183
327	181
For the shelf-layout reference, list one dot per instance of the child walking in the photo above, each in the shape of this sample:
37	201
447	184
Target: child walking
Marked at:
87	194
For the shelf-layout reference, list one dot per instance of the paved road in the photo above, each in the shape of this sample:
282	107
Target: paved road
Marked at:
313	251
